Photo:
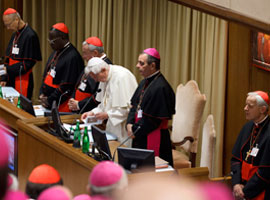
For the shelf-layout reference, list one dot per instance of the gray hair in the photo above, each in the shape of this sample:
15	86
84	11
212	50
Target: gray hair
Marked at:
260	101
92	47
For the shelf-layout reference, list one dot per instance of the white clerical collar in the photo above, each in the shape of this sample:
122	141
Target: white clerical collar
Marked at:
153	74
103	56
66	44
257	123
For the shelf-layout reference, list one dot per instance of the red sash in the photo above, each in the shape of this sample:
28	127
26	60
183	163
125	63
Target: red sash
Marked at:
24	79
79	96
247	171
49	81
153	138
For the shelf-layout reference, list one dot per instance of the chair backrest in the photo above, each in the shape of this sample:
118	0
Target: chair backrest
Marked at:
189	109
208	145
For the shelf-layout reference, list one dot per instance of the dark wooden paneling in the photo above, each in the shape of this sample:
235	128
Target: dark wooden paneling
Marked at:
225	13
238	85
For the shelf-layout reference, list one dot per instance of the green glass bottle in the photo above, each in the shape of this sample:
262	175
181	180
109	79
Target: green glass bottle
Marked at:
77	135
19	102
85	146
1	92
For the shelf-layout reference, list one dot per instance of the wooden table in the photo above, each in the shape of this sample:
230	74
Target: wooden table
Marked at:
9	113
36	147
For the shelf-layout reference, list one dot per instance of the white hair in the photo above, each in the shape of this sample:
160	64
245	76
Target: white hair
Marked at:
95	65
108	190
260	101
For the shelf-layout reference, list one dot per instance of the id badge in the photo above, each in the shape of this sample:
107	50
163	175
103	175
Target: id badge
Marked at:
53	73
139	115
15	50
82	86
254	151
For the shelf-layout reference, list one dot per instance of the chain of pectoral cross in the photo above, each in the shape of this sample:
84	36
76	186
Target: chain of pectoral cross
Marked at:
251	145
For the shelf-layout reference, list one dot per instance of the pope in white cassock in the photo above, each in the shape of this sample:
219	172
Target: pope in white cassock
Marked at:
117	86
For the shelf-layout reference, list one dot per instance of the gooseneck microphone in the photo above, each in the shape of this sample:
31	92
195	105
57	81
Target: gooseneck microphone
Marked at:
20	75
61	98
133	134
98	90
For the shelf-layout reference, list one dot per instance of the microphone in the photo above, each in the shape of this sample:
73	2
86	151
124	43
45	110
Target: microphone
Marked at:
133	134
61	98
20	75
98	90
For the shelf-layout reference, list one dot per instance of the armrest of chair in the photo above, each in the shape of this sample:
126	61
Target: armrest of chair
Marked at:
187	138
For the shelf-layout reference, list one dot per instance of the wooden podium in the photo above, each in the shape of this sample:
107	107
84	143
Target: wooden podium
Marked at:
36	146
9	113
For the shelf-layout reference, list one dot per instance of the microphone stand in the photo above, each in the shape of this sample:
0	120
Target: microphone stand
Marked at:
61	98
133	134
20	74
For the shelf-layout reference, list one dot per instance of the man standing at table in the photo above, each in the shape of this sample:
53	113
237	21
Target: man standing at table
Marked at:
87	86
117	85
22	53
250	162
153	104
63	68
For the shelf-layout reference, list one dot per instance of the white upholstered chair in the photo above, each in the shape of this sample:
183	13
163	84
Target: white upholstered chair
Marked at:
186	123
208	145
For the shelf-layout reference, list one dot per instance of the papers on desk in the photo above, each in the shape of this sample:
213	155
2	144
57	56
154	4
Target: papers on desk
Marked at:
9	92
39	110
162	165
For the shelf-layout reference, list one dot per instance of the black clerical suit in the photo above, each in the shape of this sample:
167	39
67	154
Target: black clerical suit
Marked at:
22	53
153	104
85	88
61	74
250	162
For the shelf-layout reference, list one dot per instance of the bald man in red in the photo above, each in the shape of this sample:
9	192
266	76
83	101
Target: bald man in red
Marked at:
22	53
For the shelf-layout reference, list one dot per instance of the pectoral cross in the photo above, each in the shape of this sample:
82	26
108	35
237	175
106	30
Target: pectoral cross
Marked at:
248	153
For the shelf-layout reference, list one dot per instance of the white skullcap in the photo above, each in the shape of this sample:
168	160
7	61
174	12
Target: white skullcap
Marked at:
95	65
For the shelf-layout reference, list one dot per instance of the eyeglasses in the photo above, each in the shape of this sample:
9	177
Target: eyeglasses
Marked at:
53	40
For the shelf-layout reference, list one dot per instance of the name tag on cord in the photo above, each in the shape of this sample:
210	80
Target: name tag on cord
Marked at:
254	151
15	50
139	115
82	86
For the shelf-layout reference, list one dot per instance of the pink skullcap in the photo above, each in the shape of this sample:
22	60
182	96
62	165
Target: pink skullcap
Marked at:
4	148
12	182
15	195
44	174
94	41
82	197
9	11
152	52
105	173
264	96
55	192
61	27
9	181
100	197
214	191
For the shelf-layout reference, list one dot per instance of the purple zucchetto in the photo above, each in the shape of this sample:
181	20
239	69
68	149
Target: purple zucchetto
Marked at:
152	52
